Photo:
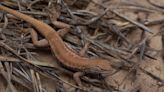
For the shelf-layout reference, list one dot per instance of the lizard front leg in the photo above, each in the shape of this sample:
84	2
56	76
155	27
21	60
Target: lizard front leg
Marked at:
64	28
77	79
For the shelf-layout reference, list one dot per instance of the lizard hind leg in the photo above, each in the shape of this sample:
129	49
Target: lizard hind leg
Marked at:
35	41
43	42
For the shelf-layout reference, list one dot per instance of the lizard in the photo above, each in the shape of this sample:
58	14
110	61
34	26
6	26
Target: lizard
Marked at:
65	55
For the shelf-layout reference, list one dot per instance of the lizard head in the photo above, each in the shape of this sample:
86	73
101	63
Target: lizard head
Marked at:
101	67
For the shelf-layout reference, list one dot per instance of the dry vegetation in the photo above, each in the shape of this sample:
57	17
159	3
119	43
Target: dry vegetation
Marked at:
128	31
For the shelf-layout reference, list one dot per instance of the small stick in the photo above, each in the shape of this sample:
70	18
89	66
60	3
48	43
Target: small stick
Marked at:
2	44
153	76
126	18
133	22
8	78
156	5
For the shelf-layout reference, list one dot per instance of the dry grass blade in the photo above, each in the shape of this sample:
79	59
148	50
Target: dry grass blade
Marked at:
2	44
39	82
7	76
13	78
22	73
129	20
107	47
34	81
153	76
7	58
115	30
134	22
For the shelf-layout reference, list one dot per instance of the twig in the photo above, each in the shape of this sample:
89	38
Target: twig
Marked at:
117	31
126	18
6	58
34	13
52	75
153	76
144	6
2	44
133	22
103	45
13	78
34	81
10	49
7	77
32	3
156	5
98	17
136	49
136	65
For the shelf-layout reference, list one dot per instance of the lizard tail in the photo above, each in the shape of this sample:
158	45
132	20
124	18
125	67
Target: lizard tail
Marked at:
36	23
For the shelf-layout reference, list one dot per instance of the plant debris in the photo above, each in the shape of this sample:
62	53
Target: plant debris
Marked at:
128	33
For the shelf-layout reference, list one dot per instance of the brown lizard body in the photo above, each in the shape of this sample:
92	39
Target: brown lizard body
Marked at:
65	56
